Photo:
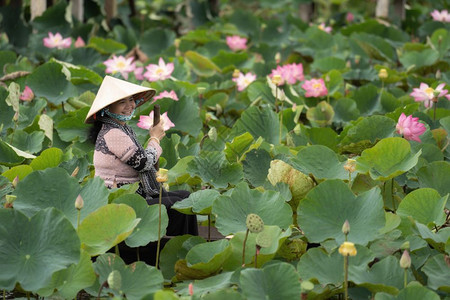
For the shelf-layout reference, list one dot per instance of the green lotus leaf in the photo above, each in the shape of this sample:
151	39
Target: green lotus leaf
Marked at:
6	57
68	282
438	239
22	171
259	123
327	64
209	257
320	161
411	292
425	205
6	112
438	272
170	255
256	166
231	211
199	202
34	248
201	65
221	175
147	229
235	149
376	47
50	82
320	115
435	175
165	38
6	187
8	156
324	136
31	143
58	189
138	279
184	114
327	268
106	227
49	158
260	91
106	46
384	276
178	174
225	59
371	128
209	285
327	206
72	127
417	59
299	183
82	75
387	159
13	96
273	281
277	237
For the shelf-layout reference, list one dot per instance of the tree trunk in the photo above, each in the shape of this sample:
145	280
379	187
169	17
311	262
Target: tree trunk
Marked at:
306	11
110	9
382	9
78	9
37	8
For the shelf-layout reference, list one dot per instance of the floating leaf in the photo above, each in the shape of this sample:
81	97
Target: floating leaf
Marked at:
106	227
438	272
232	212
327	206
387	159
34	248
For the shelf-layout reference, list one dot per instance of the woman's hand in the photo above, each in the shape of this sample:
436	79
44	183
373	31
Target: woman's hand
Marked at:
157	131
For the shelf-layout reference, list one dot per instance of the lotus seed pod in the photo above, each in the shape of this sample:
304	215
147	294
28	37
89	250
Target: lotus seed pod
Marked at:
115	280
263	239
254	223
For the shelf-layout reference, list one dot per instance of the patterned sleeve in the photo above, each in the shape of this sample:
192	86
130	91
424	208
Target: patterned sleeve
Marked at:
122	146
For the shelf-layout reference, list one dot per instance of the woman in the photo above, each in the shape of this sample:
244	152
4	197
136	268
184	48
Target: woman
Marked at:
120	159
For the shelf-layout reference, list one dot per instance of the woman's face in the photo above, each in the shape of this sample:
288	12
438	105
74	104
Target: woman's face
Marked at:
123	107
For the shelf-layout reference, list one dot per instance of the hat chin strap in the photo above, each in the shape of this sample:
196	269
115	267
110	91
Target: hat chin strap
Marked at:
117	116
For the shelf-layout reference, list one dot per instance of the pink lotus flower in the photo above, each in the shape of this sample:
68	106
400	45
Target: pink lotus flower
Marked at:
440	16
138	73
427	94
410	127
290	73
79	43
161	71
236	43
315	88
27	94
242	81
120	64
146	121
325	28
349	17
57	41
166	94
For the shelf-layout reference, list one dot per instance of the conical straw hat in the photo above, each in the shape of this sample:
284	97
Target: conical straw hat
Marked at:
112	90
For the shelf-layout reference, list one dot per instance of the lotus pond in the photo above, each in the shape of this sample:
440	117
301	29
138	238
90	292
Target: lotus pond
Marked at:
319	147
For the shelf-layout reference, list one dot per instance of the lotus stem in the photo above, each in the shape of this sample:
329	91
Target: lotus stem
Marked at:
256	256
78	219
209	227
345	277
4	294
117	252
392	194
281	121
406	277
137	254
159	227
434	113
243	250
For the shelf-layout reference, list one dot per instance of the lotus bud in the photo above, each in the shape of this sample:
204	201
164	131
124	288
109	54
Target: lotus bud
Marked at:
357	59
115	280
278	57
405	260
212	134
219	109
346	227
348	64
236	73
438	74
162	175
15	181
350	165
276	79
254	223
191	289
10	198
79	203
307	285
75	172
383	74
176	43
16	117
347	249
